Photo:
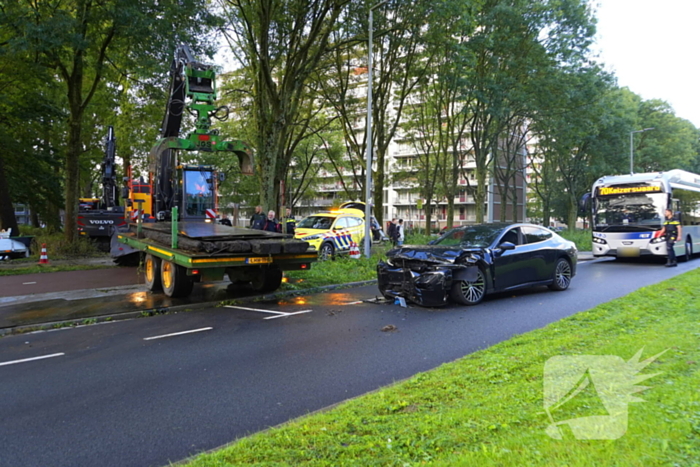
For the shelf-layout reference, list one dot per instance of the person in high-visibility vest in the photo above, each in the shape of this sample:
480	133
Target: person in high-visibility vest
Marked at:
290	222
672	230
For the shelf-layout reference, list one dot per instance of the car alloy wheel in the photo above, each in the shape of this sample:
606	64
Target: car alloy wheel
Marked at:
326	252
469	292
562	275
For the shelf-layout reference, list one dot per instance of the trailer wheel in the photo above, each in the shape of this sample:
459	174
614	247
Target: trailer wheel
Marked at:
151	266
175	281
267	279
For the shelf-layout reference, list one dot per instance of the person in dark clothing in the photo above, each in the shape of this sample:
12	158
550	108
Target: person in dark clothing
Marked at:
374	225
672	230
393	231
258	220
225	221
271	224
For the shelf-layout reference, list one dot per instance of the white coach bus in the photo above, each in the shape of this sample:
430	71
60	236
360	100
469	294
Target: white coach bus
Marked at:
628	213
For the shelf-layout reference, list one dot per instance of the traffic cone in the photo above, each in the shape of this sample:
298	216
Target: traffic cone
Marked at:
44	259
354	251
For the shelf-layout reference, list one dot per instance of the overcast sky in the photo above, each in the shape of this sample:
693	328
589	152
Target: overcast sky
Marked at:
652	47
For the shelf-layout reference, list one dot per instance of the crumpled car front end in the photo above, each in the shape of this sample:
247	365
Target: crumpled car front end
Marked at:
424	276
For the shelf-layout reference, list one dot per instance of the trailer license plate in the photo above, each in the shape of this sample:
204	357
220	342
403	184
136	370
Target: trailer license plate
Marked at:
258	260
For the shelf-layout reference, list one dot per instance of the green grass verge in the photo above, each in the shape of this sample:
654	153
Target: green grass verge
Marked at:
582	239
342	270
487	408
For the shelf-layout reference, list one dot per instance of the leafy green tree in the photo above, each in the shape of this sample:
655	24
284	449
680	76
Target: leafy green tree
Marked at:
516	42
28	122
83	42
437	118
279	45
672	143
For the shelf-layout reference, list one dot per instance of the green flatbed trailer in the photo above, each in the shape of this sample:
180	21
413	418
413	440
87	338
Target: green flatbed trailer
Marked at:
201	252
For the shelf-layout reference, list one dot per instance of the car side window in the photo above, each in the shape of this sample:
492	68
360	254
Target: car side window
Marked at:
354	221
535	234
341	223
511	236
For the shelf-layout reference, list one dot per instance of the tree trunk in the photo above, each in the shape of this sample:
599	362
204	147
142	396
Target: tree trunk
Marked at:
480	192
428	216
34	217
572	214
7	211
72	176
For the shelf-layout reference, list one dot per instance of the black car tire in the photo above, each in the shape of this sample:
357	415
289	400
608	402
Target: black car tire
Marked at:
326	252
562	275
151	267
688	249
469	292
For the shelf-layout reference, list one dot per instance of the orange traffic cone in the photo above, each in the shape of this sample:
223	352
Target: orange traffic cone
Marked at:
354	251
44	259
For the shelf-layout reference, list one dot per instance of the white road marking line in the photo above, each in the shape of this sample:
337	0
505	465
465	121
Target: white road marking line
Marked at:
354	303
254	309
32	359
288	314
28	283
177	334
278	314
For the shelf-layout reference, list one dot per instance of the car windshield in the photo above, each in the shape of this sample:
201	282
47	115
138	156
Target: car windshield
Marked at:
480	236
316	222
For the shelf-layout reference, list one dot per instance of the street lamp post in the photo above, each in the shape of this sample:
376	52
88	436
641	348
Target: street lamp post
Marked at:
632	147
368	161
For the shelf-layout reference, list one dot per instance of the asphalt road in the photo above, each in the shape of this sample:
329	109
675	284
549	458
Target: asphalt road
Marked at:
27	284
108	395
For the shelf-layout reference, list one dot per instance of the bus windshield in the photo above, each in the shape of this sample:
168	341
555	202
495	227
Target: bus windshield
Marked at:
629	211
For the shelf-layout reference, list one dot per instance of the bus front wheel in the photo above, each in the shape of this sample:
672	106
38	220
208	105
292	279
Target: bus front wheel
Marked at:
688	248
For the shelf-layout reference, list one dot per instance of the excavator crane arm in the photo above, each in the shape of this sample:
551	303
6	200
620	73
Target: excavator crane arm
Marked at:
193	90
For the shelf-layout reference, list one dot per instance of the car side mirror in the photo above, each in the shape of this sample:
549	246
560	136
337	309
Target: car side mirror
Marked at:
505	246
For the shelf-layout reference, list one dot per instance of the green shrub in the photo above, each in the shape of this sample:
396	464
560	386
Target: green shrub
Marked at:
58	248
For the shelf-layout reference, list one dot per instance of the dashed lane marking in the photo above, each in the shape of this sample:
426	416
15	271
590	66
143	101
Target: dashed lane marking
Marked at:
24	360
177	334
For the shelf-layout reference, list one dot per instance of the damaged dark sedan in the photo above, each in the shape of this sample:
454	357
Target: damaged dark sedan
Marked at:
468	262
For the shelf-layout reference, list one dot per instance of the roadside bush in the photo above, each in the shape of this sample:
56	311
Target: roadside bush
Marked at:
58	248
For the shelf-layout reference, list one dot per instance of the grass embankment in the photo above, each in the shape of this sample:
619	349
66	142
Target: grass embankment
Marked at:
487	408
342	270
